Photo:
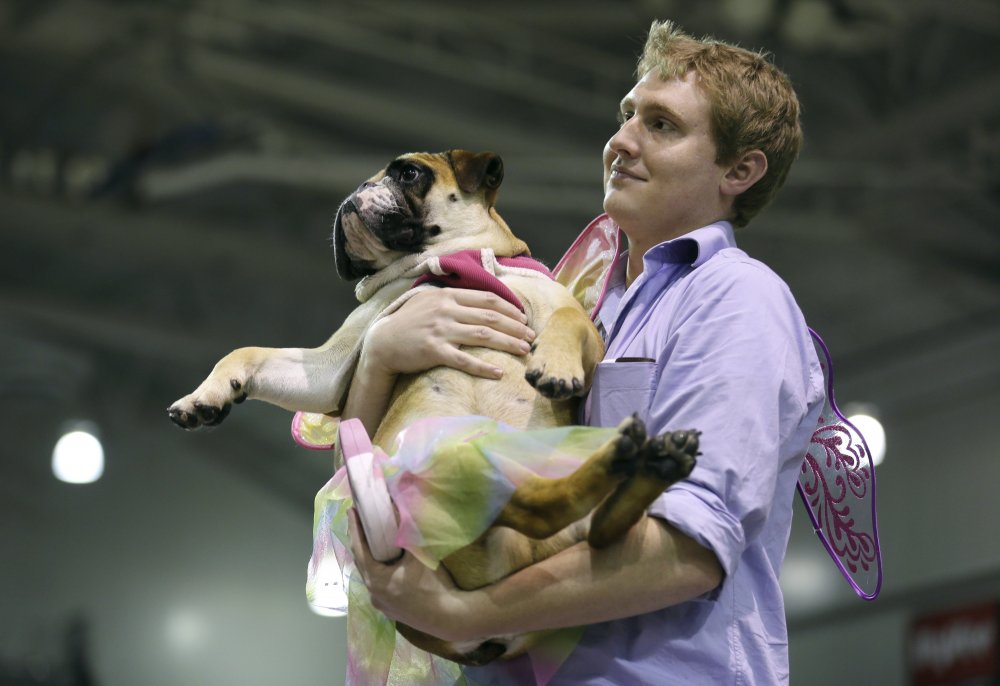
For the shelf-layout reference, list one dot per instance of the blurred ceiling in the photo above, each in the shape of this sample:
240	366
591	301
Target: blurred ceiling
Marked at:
169	172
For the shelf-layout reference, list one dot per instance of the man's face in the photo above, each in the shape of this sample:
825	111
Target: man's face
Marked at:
660	175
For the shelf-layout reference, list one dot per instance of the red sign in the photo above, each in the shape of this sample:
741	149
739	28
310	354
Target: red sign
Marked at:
955	647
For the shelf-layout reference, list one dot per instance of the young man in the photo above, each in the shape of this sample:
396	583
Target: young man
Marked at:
690	595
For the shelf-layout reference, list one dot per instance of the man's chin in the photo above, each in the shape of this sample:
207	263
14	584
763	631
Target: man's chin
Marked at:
615	205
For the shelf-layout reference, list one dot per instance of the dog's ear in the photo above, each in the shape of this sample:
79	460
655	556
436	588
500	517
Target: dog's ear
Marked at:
474	170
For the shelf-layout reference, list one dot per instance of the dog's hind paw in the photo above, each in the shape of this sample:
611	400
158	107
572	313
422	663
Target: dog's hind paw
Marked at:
672	456
631	438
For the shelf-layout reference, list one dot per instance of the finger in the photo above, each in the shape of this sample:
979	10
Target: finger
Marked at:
495	320
463	361
485	337
488	301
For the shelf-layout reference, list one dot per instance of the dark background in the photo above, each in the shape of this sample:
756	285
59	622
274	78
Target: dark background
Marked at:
168	176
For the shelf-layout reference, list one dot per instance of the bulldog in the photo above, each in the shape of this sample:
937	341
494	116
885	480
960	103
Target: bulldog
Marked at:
397	227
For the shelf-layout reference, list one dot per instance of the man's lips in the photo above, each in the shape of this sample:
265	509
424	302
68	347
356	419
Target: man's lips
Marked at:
622	172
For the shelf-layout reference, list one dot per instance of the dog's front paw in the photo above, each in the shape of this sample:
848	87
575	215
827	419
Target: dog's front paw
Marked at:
672	456
208	405
557	379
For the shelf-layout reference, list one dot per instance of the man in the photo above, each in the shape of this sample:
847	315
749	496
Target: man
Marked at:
690	595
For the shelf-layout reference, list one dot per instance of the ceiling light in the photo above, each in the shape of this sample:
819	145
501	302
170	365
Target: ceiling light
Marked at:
78	457
874	434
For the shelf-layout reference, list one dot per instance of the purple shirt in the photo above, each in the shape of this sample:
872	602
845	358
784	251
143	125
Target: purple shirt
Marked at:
712	340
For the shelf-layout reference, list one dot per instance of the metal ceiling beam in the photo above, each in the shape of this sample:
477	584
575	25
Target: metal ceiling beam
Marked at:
373	111
155	238
976	15
547	43
915	125
334	31
96	326
549	185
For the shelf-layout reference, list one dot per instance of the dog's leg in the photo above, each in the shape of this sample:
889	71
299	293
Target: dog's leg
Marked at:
564	355
663	460
307	379
292	378
540	507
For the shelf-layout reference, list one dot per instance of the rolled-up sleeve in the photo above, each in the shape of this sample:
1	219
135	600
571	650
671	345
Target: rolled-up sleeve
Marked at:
724	370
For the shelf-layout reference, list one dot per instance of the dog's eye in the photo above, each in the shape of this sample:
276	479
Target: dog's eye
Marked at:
409	173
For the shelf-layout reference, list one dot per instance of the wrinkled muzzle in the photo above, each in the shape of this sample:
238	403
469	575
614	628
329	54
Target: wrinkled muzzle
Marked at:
373	226
348	268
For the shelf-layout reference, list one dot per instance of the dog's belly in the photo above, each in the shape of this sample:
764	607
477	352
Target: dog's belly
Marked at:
443	392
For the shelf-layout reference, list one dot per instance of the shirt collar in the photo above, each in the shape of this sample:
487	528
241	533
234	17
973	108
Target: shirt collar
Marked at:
694	247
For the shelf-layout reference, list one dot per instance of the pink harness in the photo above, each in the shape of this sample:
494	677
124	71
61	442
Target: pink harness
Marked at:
464	269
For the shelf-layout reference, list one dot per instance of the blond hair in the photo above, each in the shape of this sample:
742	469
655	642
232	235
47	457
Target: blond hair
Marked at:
753	104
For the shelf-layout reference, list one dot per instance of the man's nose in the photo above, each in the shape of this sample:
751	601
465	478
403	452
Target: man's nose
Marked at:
623	142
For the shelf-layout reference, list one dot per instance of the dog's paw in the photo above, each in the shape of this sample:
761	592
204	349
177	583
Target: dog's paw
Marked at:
208	405
672	456
630	440
554	378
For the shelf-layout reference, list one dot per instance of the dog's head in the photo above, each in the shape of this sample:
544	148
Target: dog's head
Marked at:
434	203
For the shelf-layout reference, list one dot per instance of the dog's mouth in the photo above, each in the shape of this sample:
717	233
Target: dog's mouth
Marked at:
350	266
369	235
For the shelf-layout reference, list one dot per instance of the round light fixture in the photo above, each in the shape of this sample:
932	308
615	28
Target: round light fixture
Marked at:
874	434
78	457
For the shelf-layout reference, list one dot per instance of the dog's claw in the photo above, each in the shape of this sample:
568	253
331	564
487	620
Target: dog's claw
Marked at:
181	418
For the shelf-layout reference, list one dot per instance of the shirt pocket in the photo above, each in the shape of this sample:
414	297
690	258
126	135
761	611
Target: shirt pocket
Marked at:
621	387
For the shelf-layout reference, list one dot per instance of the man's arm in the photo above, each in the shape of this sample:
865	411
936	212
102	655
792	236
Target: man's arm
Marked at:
426	332
653	566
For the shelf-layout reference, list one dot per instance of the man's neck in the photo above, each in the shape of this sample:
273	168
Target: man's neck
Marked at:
634	266
636	252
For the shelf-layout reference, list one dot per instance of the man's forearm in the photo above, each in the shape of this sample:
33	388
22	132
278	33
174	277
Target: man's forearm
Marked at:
654	566
369	396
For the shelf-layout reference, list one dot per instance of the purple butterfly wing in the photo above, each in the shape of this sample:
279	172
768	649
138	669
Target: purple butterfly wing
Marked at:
837	485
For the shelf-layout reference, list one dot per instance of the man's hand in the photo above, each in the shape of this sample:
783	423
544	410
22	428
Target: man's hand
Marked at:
409	592
429	329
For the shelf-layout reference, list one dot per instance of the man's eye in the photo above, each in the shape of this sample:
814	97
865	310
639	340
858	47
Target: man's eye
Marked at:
409	173
623	117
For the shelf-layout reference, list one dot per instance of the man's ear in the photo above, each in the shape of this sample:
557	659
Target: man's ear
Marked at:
743	173
473	170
